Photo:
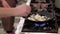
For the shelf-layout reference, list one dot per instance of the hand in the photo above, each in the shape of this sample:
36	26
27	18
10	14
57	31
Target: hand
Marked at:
23	10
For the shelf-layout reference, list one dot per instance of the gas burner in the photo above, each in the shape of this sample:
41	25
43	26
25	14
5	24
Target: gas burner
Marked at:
40	25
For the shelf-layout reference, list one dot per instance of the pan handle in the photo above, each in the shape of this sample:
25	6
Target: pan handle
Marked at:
28	2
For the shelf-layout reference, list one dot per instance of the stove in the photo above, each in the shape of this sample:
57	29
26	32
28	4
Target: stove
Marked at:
32	26
49	26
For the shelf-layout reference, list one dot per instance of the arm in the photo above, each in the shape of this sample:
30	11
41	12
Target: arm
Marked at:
5	5
7	11
21	10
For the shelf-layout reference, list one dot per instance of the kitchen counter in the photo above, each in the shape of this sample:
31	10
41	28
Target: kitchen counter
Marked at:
35	33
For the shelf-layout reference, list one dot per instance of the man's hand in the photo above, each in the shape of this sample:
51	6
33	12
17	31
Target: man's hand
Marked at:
23	10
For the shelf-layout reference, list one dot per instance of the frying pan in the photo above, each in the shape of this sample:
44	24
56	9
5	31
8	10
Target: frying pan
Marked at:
43	13
48	15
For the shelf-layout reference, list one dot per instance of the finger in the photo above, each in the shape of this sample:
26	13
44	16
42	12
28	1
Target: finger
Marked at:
5	4
28	8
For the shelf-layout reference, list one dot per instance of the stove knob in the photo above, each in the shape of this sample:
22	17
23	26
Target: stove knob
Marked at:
45	28
50	28
47	23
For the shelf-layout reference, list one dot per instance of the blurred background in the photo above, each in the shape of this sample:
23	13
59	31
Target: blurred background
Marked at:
16	19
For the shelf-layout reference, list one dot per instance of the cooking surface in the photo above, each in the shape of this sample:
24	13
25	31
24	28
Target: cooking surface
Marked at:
31	26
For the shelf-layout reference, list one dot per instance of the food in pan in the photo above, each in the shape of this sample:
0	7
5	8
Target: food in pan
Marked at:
38	17
32	17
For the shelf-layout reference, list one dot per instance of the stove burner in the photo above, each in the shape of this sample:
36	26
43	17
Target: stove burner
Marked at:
36	24
40	25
